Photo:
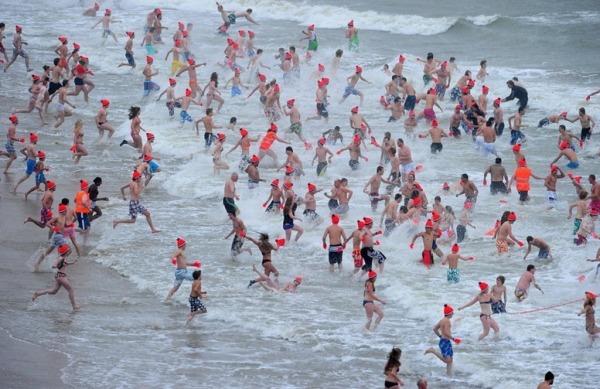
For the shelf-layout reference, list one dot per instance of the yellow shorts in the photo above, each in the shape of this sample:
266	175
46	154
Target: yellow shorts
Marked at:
175	66
502	246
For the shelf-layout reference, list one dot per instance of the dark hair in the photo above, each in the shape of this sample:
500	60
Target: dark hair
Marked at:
404	79
529	238
398	196
521	109
259	51
465	176
2	25
233	119
498	160
489	122
214	76
592	176
65	82
64	201
289	148
549	377
196	274
288	205
379	169
562	127
452	59
530	267
339	52
293	48
56	61
437	198
393	360
430	55
582	110
504	217
467	72
404	209
98	181
264	236
510	83
414	194
483	62
134	111
501	278
394	77
249	10
583	195
209	111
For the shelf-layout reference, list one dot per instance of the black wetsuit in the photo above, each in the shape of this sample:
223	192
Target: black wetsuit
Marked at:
519	93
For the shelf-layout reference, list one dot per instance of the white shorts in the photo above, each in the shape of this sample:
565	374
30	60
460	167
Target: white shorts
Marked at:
552	197
409	167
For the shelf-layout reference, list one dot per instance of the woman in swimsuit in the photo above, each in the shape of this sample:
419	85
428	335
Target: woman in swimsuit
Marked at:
289	216
369	298
60	279
590	319
265	248
213	92
392	367
485	300
78	148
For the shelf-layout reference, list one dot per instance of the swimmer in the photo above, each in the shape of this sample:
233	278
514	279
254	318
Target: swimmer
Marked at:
295	121
499	179
499	296
521	177
61	279
587	124
31	156
436	134
351	87
548	381
196	294
372	186
266	248
428	243
567	152
181	272
129	51
485	301
96	211
337	243
527	278
273	285
101	120
355	153
321	156
18	50
544	248
550	183
504	236
392	369
581	210
46	211
238	231
469	189
106	20
453	273
135	206
443	329
552	119
369	299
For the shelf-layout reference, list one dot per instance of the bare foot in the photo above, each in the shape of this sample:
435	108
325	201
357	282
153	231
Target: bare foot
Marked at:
428	351
155	231
35	295
76	308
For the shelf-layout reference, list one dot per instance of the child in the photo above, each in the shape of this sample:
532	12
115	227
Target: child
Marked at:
39	173
581	205
219	164
499	296
196	306
236	82
482	73
147	42
464	220
60	278
129	51
453	274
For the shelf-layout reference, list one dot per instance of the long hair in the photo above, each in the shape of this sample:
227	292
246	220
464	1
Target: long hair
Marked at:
133	112
393	360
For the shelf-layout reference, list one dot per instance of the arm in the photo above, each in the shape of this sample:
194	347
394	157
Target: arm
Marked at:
528	250
123	191
161	95
487	171
473	301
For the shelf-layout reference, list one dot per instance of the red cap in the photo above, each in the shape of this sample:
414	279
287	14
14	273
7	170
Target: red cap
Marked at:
64	249
172	81
298	280
354	109
180	242
63	39
358	69
221	136
563	114
13	118
444	64
107	11
356	139
191	61
485	89
455	248
255	160
275	182
147	157
497	101
401	58
465	90
483	285
325	80
553	168
372	274
35	77
290	102
431	91
62	208
185	33
471	83
273	127
50	184
18	28
149	59
577	179
311	27
157	11
434	123
512	217
136	175
522	162
41	154
360	224
280	242
230	41
311	187
181	25
351	23
590	295
321	141
262	77
276	88
242	33
83	184
188	92
429	223
445	186
33	138
321	67
288	184
564	145
288	55
516	148
105	102
130	34
335	219
368	221
178	43
435	216
448	310
251	34
76	46
149	136
243	132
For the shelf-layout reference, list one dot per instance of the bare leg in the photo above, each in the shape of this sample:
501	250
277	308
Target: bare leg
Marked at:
37	223
149	220
172	292
123	221
39	293
64	281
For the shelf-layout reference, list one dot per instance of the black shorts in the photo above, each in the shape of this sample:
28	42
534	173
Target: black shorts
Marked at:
523	195
78	81
53	87
130	59
335	254
364	253
436	148
322	110
586	133
497	187
229	205
499	127
409	103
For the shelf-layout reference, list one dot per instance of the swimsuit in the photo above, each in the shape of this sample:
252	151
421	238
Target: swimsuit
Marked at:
45	215
184	117
130	59
150	86
353	163
236	244
135	207
502	246
273	206
436	147
573	164
336	251
427	257
322	110
498	306
235	91
498	187
230	206
446	347
453	276
180	276
429	113
409	103
196	305
350	90
30	166
321	168
296	128
311	215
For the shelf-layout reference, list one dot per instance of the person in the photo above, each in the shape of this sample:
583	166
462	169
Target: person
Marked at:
311	36
149	85
514	124
196	294
422	383
129	51
61	279
527	278
499	179
567	152
96	212
83	206
499	296
590	319
289	216
551	119
429	67
101	120
136	126
453	273
266	248
371	188
351	87
485	301
18	43
352	36
230	17
392	369
436	134
498	117
229	195
581	210
337	243
238	231
468	189
273	285
321	156
31	155
429	244
295	121
46	211
521	177
181	272
390	214
355	153
504	236
548	381
369	299
443	329
135	206
587	124
91	11
516	92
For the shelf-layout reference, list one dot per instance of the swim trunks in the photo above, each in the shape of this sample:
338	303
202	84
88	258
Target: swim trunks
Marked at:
358	260
498	187
409	103
236	244
336	251
311	215
296	128
586	133
543	254
453	276
436	148
235	91
182	275
350	90
333	204
446	347
429	113
498	306
196	305
30	166
321	168
353	163
502	246
45	215
230	206
454	93
573	164
130	59
135	207
322	110
184	117
427	257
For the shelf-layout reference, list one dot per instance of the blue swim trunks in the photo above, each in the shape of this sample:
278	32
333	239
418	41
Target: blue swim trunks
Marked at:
150	86
40	178
184	117
453	276
446	347
153	166
350	90
235	91
573	165
182	275
30	166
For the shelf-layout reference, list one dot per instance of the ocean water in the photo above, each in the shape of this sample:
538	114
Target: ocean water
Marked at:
314	338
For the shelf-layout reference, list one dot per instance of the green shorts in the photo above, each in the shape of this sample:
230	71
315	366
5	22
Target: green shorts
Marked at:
296	128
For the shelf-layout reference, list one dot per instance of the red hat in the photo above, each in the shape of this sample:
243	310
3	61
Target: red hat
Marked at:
418	186
435	216
497	101
149	59
290	102
237	71
298	280
444	64
64	249
553	168
242	33
465	90
468	204
275	182
325	80
185	33
431	91
62	208
311	27
83	184
483	285
564	145
335	219
255	160
457	107
76	46
50	185
485	89
276	88
178	43
13	118
401	58
448	310
311	187
243	132
180	242
230	41
18	28
221	136
577	179
172	81
455	248
107	11
188	92
321	141
147	157
136	175
358	69
63	39
321	67
371	274
429	223
354	109
516	148
41	154
360	224
351	23
191	61
320	83
33	137
35	77
288	55
522	162
434	123
83	58
251	34
590	295
512	217
356	139
130	34
262	77
105	102
289	169
288	185
273	127
368	221
149	135
157	11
